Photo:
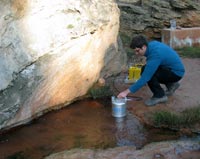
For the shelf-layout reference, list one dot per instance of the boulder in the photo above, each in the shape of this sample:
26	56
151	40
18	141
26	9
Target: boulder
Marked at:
52	52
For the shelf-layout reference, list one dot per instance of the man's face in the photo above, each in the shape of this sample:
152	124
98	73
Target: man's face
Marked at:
140	51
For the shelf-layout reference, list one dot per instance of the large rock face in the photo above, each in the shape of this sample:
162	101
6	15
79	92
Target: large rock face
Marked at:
149	17
52	52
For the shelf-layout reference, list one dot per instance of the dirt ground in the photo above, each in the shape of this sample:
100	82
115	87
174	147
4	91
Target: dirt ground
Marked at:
186	96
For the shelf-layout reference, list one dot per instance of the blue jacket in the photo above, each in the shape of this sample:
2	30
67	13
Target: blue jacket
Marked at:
158	54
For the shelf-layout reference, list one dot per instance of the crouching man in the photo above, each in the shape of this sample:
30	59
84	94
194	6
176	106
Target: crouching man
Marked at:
163	66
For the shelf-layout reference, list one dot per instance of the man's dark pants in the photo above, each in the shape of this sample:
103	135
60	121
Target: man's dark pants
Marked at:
161	76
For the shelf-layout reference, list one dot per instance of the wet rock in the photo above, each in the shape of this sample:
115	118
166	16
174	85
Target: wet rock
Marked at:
162	150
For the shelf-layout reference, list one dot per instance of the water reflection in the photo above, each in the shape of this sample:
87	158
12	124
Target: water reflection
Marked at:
129	131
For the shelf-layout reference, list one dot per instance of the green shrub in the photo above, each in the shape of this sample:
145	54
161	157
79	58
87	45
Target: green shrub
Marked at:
165	118
186	118
192	52
100	92
190	116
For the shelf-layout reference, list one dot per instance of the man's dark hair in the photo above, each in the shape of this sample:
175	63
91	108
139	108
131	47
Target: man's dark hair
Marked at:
138	41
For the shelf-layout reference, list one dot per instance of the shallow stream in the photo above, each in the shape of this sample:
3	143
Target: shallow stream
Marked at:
84	124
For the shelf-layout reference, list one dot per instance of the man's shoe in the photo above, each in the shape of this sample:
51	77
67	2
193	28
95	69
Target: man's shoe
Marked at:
172	89
153	101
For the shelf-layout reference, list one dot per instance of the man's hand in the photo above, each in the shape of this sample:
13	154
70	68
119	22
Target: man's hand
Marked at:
123	94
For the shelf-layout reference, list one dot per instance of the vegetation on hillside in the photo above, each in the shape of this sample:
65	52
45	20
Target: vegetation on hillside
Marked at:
191	52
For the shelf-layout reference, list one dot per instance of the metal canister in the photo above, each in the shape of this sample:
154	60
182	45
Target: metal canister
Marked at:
118	107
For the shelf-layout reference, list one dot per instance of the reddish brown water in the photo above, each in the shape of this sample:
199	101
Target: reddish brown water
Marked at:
84	124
